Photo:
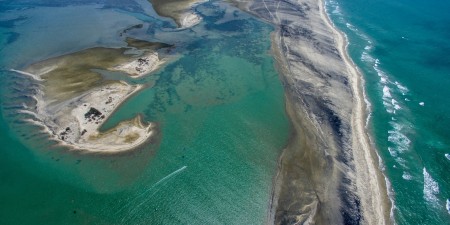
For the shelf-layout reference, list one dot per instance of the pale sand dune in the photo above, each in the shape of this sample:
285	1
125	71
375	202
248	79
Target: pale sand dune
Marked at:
143	65
328	174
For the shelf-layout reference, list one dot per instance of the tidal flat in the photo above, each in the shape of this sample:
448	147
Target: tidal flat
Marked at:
74	99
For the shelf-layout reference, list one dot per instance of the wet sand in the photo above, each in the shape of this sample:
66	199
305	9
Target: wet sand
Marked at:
328	173
181	11
74	100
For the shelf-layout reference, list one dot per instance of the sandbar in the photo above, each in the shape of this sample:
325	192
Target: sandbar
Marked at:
181	11
329	171
74	99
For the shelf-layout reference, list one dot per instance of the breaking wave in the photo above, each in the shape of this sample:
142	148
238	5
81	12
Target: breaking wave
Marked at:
430	188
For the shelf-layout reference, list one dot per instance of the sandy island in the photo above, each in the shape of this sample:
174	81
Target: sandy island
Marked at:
74	100
329	172
181	11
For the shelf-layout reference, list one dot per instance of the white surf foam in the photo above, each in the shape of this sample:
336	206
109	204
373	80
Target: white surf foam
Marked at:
357	32
386	92
395	104
389	90
337	10
422	103
366	57
447	206
406	176
430	188
391	197
383	76
401	162
402	88
397	138
351	27
393	152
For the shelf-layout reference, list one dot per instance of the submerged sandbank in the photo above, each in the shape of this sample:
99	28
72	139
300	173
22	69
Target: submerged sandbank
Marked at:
328	174
74	100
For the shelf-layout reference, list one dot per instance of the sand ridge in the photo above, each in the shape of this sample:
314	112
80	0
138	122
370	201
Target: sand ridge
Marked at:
371	184
328	173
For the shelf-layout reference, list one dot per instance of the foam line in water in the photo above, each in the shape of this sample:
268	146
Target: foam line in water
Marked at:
447	206
397	138
386	92
406	176
391	194
366	57
368	108
402	88
430	188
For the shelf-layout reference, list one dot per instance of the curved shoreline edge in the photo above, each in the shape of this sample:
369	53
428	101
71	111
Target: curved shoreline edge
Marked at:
73	100
376	193
329	172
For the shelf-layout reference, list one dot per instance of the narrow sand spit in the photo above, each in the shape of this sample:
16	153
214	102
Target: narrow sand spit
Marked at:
328	173
370	181
73	100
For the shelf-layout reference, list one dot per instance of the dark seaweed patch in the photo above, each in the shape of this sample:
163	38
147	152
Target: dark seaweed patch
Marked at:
351	209
93	113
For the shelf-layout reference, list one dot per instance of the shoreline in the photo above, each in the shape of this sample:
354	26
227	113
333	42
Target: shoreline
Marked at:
181	12
323	172
73	101
360	120
74	130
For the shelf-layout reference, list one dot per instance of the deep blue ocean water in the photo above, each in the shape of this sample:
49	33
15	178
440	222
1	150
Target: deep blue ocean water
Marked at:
402	47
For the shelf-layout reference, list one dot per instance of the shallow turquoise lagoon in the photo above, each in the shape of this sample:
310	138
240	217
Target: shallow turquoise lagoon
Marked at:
219	107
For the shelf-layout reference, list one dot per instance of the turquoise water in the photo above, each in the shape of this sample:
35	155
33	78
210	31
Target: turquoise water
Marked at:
219	106
402	49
